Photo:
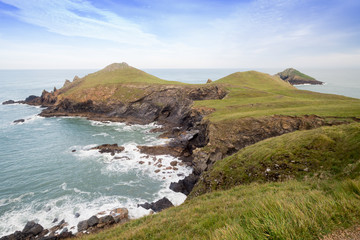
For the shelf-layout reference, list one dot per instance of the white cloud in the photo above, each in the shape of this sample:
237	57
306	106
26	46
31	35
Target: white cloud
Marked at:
262	33
80	18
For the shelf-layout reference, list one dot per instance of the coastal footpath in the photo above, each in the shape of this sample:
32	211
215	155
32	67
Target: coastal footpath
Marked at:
209	125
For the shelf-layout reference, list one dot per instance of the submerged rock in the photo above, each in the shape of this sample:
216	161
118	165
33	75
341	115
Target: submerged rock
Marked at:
8	102
19	121
109	148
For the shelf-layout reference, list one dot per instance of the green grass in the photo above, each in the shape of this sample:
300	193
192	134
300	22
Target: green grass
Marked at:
254	94
297	73
327	152
291	210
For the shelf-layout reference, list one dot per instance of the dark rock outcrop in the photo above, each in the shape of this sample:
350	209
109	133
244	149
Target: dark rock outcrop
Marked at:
186	185
158	205
8	102
109	148
19	121
82	226
32	230
93	221
93	224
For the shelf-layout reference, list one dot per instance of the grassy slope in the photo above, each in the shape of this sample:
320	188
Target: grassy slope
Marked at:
293	209
297	73
254	94
328	152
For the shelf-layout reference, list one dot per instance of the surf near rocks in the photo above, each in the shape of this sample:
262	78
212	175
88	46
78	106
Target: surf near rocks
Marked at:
34	231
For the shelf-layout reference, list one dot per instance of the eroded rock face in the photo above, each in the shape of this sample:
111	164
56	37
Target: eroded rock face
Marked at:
226	139
167	105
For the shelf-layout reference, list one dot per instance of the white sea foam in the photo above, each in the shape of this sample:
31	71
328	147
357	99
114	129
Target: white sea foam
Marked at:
101	134
15	199
65	208
156	167
29	119
123	127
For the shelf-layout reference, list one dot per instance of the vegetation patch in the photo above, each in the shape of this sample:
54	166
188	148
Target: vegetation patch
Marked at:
327	152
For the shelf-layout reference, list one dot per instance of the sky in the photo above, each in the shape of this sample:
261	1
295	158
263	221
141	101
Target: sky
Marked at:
74	34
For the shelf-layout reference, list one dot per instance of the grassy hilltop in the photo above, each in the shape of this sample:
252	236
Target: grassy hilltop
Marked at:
118	81
301	185
254	94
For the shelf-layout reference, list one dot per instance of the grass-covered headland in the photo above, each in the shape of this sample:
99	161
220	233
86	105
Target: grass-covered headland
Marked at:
328	198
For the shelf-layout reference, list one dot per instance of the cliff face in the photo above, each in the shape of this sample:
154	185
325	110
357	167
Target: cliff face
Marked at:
164	104
294	77
226	138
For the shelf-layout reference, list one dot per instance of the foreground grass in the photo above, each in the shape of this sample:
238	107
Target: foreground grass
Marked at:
327	152
290	210
254	94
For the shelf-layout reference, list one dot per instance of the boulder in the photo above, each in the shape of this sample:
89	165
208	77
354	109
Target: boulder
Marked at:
82	225
158	205
120	215
106	221
32	229
93	221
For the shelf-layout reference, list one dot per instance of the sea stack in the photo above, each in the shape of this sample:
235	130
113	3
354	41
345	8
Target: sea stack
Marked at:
295	77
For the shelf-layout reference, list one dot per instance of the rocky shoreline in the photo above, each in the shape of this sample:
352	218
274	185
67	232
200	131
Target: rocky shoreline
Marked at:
34	231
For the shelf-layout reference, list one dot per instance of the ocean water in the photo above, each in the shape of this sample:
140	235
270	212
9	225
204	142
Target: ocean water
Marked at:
42	178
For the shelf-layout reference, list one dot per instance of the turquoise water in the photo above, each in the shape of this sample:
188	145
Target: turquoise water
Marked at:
41	178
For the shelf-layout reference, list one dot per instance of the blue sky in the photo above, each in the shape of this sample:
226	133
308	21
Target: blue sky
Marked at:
53	34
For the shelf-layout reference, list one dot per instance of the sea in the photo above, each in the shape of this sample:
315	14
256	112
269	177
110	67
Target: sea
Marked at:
49	171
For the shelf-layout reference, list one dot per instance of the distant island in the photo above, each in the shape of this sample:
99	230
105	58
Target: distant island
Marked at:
268	159
294	77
